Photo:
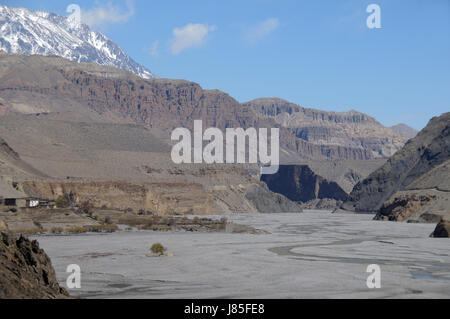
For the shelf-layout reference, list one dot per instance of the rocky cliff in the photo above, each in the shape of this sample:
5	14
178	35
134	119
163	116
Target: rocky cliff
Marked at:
299	183
26	271
414	181
427	199
352	130
39	84
346	173
102	132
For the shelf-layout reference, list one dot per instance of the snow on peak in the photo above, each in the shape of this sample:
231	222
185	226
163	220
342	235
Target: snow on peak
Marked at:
38	32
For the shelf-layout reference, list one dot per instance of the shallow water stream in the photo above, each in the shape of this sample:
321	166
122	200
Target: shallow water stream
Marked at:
309	255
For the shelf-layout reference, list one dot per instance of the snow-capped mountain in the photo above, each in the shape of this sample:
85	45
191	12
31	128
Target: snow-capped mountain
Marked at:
27	32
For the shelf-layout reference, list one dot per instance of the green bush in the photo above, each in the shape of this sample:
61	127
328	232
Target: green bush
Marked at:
158	249
86	207
61	202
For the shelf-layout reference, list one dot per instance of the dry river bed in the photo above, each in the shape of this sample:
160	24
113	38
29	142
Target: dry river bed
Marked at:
309	255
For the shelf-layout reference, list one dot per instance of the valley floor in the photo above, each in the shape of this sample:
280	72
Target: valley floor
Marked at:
308	255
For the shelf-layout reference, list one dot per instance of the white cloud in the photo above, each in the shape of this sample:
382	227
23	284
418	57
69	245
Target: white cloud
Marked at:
261	30
109	13
191	35
154	51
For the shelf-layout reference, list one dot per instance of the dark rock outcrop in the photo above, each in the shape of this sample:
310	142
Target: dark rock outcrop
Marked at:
299	183
442	230
420	156
322	204
400	208
26	271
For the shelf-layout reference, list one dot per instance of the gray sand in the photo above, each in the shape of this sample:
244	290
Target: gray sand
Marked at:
309	255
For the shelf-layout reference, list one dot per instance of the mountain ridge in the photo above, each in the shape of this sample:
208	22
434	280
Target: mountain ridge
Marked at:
405	130
351	129
39	84
415	178
38	32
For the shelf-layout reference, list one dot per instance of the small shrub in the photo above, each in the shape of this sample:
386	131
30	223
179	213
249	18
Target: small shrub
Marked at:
147	226
103	228
38	224
57	230
61	202
93	229
155	227
171	222
86	207
158	249
130	221
28	231
223	223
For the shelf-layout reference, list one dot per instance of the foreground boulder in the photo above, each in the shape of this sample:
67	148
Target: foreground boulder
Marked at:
402	206
26	271
442	230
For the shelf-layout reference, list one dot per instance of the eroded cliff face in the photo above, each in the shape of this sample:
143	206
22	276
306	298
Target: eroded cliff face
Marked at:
352	130
165	198
53	85
299	183
26	271
422	164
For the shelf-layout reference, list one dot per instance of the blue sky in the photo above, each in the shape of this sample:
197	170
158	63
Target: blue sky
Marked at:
314	53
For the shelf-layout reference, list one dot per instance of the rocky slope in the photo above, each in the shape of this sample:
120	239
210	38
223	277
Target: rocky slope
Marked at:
12	163
346	173
86	92
83	123
427	199
121	166
351	129
404	130
266	201
414	181
26	271
299	183
36	32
